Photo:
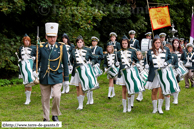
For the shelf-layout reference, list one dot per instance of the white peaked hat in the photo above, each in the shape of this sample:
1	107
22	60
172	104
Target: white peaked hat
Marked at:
132	32
51	28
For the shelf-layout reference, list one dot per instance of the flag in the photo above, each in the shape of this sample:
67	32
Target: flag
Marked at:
159	17
192	29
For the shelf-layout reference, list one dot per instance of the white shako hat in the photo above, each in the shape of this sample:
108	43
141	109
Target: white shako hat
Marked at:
51	28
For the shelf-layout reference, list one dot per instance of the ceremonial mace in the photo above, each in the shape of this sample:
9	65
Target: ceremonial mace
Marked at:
36	81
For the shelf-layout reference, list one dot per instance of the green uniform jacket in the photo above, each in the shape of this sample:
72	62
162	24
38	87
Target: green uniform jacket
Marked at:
33	54
52	77
106	62
98	53
168	60
116	45
134	44
88	56
132	56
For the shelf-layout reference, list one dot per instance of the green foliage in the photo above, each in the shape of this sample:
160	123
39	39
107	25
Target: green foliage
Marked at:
8	47
4	82
15	81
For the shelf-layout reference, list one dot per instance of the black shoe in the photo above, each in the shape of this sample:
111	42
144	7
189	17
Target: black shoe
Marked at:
44	119
55	118
192	85
131	106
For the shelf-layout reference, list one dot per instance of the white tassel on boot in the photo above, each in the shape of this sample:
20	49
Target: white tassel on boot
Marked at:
139	97
167	103
51	95
124	105
154	102
132	100
129	104
88	96
63	88
175	98
160	102
91	97
28	93
113	91
109	92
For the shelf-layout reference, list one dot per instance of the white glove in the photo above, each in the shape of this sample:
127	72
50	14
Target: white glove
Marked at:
138	65
165	64
105	69
35	74
66	83
33	58
62	65
117	63
98	64
147	66
19	60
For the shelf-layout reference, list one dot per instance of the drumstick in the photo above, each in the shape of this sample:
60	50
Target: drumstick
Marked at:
146	57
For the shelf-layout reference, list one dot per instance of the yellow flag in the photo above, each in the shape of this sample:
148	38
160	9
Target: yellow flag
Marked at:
159	17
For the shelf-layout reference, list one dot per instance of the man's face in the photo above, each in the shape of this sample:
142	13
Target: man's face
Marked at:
94	43
131	36
162	39
51	39
148	37
190	49
113	38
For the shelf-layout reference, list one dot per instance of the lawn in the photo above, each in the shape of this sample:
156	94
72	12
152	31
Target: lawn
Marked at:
104	113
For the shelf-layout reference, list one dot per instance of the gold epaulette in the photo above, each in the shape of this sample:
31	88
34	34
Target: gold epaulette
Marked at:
120	50
42	42
61	43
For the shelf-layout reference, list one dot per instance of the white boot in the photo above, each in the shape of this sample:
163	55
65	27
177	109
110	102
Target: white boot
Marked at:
124	105
167	103
51	95
63	88
113	91
79	101
28	93
109	92
67	89
139	97
82	100
160	102
88	96
91	97
175	98
154	102
129	104
132	100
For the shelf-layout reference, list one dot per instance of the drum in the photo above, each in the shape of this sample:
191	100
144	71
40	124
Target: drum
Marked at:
146	44
112	71
144	76
97	70
87	77
167	80
182	70
132	80
26	67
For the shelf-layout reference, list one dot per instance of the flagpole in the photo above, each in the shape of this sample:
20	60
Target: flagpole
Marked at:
150	19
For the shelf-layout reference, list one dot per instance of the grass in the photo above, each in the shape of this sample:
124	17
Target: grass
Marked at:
104	113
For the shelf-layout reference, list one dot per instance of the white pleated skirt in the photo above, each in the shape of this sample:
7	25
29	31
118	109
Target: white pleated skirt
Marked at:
120	81
151	85
75	80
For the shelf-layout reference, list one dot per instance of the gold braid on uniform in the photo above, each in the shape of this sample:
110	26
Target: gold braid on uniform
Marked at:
58	58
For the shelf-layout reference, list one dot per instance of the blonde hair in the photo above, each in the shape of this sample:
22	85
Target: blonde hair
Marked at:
140	53
111	47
